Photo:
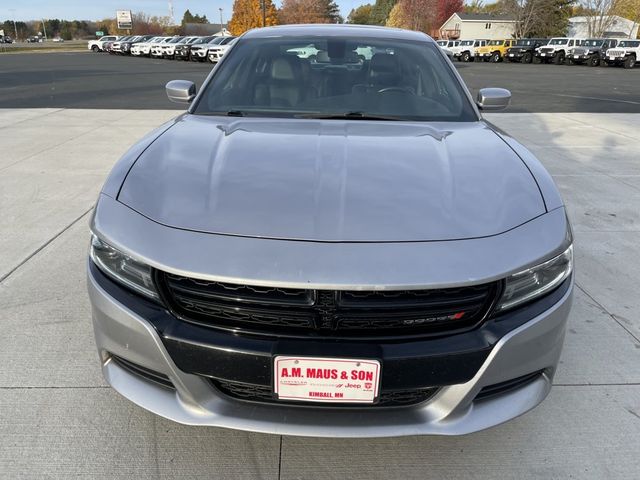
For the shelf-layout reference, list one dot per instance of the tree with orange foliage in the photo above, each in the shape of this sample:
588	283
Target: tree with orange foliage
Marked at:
247	14
413	15
309	11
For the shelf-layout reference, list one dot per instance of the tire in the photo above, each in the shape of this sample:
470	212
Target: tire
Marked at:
568	61
465	57
495	57
630	62
95	49
558	59
594	61
537	60
528	58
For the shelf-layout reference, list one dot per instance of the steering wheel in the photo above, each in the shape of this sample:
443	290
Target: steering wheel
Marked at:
396	89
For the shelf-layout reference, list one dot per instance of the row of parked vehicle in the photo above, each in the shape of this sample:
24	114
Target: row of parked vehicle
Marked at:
194	48
560	50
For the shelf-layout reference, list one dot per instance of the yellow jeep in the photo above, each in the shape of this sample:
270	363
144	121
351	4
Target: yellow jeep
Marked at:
495	50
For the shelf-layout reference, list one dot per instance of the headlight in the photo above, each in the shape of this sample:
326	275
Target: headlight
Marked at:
536	281
122	268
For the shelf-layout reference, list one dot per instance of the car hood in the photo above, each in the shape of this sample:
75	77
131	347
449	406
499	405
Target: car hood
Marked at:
332	180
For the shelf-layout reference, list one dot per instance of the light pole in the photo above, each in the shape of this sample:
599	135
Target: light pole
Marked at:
263	5
44	29
221	23
15	28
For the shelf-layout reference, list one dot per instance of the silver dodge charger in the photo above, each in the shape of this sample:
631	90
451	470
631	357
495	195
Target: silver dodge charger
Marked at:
331	241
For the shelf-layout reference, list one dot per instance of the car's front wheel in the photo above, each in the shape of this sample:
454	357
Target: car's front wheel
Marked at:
528	58
465	57
630	62
95	49
495	58
594	61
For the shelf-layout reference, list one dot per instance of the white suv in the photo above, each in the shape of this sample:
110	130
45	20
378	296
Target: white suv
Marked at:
143	48
465	51
216	53
556	50
96	45
626	53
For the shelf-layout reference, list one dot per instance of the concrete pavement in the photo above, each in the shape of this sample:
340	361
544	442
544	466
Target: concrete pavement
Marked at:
58	419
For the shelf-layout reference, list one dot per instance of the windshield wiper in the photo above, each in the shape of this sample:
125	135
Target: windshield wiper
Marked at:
348	116
229	113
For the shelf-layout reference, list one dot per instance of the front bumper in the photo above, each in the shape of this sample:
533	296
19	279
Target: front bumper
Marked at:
142	332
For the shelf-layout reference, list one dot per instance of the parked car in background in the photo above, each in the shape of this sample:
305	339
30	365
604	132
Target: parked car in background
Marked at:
448	46
590	52
116	46
556	50
199	52
524	49
309	261
6	39
626	53
125	47
169	48
183	49
155	48
35	39
495	50
466	51
98	45
142	48
58	39
216	53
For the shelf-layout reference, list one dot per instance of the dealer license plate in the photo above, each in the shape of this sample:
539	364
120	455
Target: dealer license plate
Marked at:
511	54
576	56
336	380
543	54
612	58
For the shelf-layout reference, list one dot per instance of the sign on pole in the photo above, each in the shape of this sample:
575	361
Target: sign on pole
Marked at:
99	33
123	17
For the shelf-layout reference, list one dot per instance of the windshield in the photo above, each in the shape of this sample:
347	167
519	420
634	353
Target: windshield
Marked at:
496	42
402	80
594	42
629	44
442	43
558	41
525	42
466	42
175	40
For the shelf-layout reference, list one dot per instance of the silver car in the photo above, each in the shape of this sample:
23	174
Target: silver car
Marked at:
332	245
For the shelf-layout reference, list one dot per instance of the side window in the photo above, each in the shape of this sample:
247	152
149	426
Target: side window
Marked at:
571	43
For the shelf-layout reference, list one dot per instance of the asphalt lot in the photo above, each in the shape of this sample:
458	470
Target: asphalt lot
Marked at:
89	80
59	419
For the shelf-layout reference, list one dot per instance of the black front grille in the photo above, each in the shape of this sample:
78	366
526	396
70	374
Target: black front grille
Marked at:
326	313
144	372
264	394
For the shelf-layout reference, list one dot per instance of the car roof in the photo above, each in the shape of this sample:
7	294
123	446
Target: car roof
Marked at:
337	30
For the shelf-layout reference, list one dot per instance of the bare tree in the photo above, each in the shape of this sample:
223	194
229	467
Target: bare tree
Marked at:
526	13
599	15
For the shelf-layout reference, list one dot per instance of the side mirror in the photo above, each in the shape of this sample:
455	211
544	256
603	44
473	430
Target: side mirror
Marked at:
493	98
181	91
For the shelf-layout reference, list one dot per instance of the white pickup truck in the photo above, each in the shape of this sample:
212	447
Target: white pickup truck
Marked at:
465	51
556	50
96	45
626	53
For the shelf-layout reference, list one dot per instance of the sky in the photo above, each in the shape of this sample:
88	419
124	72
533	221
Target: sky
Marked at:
97	10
